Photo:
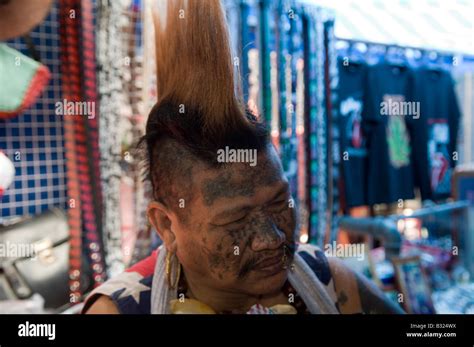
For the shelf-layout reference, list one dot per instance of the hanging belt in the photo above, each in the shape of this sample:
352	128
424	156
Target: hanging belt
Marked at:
66	30
78	165
90	128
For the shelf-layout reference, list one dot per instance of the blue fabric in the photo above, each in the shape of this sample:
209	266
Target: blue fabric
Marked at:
39	129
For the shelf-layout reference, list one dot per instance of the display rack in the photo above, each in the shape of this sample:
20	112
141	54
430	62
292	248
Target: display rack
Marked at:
34	139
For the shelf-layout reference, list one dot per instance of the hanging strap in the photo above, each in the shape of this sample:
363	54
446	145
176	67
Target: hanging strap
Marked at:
92	159
74	201
79	166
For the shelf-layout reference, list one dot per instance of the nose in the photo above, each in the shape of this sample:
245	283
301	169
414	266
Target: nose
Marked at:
268	237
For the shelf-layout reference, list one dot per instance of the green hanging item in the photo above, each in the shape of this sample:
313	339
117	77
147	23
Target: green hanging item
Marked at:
23	80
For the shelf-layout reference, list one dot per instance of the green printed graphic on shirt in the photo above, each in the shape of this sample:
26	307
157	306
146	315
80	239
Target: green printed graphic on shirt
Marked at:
398	142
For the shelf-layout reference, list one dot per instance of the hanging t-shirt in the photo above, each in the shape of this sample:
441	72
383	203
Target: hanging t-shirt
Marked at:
352	140
387	104
435	132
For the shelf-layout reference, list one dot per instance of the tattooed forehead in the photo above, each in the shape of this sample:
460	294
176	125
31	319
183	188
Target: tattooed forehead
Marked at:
242	180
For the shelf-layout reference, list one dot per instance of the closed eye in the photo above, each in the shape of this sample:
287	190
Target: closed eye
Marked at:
238	220
279	205
235	221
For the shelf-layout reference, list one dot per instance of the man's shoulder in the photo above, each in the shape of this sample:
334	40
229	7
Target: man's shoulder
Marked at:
352	292
129	291
317	261
340	281
321	263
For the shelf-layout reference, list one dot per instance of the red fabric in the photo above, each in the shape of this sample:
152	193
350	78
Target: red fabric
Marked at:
146	267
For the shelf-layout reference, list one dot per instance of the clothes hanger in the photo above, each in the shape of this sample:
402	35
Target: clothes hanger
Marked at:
375	54
356	53
431	60
395	56
346	55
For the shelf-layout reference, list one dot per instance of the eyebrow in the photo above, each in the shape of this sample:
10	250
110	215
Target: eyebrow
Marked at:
247	207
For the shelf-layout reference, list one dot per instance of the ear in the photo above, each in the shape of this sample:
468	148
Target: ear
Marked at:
159	217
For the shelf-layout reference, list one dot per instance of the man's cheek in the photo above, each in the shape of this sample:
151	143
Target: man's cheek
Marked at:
190	255
221	256
237	239
286	222
190	251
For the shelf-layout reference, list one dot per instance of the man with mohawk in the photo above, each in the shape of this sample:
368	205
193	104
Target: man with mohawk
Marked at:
227	228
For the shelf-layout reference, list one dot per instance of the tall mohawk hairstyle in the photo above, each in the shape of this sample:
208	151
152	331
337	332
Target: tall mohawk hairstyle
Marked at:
194	62
198	105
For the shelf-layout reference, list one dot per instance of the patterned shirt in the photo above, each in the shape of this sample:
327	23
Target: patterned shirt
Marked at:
131	290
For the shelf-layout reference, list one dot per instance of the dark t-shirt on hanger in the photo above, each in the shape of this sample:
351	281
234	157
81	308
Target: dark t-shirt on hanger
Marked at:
352	141
390	170
435	132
